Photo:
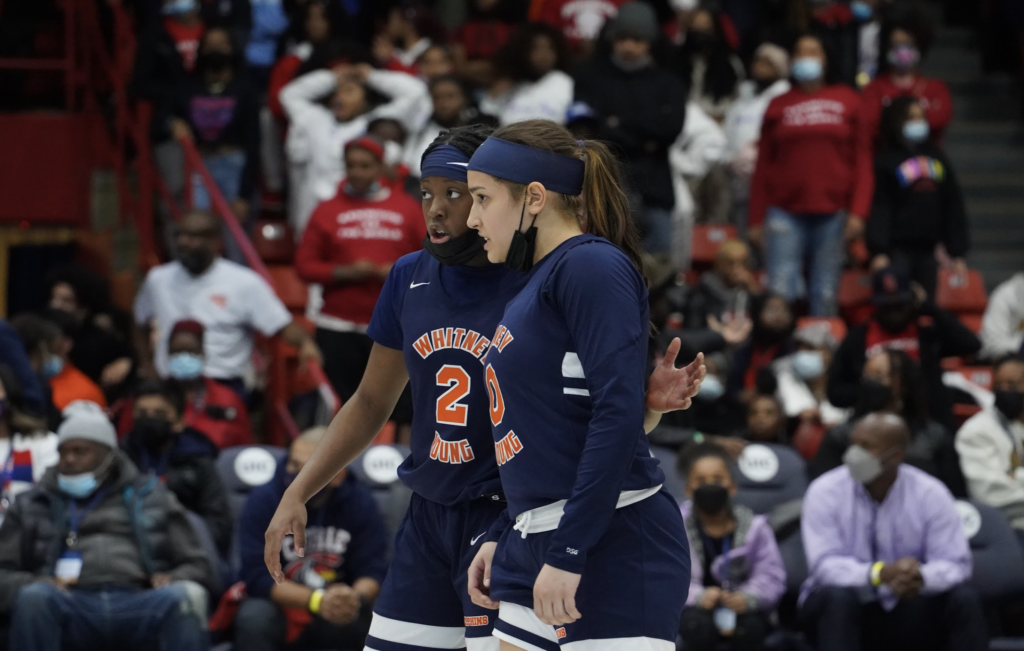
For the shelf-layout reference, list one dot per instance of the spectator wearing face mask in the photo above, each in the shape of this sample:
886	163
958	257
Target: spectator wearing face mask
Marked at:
771	338
769	79
67	383
888	557
452	107
917	203
642	106
1002	328
231	301
892	383
38	339
27	447
708	66
349	247
317	133
210	407
904	42
532	83
181	457
326	598
905	321
736	572
803	387
218	110
14	353
991	446
168	49
868	16
813	180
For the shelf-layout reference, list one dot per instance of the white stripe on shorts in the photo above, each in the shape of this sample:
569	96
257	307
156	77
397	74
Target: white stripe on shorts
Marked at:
489	643
527	620
434	637
621	644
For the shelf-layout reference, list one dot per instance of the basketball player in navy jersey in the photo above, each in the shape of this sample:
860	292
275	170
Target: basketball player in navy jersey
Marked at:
432	326
596	557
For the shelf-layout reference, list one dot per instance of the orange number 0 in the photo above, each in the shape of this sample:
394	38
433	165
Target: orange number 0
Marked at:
497	402
449	411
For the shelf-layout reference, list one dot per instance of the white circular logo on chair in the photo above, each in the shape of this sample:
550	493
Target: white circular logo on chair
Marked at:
380	463
759	463
255	466
970	519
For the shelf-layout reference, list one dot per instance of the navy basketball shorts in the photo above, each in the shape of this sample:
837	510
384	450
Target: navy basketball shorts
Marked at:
424	602
631	593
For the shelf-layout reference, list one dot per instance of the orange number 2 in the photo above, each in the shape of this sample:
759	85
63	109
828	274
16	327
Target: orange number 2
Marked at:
449	411
497	402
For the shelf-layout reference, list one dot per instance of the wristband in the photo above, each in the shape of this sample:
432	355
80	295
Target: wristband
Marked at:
314	601
876	574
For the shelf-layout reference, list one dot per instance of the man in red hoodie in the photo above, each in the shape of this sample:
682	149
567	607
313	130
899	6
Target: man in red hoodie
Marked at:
349	246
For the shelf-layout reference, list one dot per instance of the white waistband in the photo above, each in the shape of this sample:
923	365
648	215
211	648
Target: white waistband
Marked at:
546	518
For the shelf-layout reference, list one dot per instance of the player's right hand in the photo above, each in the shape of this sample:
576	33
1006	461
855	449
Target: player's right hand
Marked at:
480	577
290	518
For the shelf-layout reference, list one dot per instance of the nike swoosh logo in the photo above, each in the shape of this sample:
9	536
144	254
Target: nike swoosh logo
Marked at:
473	540
460	164
415	285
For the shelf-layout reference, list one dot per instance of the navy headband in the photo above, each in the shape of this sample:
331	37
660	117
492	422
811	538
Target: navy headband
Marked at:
445	160
524	165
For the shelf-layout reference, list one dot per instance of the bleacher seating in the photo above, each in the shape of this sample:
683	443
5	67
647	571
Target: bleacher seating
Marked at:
836	325
769	475
961	294
245	467
377	467
705	241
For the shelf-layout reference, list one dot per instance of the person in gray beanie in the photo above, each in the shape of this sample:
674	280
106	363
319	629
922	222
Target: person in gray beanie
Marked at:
641	107
98	556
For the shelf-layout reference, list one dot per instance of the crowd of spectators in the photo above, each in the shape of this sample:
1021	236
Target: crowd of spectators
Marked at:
804	130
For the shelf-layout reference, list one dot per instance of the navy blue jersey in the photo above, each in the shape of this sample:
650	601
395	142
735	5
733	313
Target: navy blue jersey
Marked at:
442	319
566	375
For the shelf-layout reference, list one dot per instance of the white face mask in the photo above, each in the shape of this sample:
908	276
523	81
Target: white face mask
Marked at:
808	364
864	467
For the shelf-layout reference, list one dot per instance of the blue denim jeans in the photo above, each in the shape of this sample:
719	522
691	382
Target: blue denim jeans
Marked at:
656	227
818	239
226	170
45	618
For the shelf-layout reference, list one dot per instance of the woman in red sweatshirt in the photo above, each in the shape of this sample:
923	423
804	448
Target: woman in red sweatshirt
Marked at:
349	246
814	177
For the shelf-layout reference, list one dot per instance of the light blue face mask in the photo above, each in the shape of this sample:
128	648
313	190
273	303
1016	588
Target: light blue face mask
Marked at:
916	131
52	367
862	11
179	7
711	388
185	366
84	484
808	364
806	69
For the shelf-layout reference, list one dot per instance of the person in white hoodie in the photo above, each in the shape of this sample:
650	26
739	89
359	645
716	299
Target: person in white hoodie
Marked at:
770	78
1002	328
317	133
991	446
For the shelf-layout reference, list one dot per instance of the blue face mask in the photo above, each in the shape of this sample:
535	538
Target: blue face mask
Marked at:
916	131
862	11
711	388
179	7
808	364
84	484
52	367
807	69
185	366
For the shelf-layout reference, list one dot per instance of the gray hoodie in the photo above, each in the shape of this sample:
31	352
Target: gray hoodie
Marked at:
139	529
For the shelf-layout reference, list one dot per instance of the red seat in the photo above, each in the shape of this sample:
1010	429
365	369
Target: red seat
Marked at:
980	375
293	292
854	288
706	239
835	324
274	241
972	321
963	295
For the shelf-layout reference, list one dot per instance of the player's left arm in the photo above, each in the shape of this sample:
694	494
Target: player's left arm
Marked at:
671	388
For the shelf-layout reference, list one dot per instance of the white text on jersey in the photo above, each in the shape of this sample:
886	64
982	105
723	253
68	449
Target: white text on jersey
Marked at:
450	451
452	338
507	448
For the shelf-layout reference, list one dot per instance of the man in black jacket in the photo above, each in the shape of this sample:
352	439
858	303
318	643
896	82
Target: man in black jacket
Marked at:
97	556
183	458
641	107
906	321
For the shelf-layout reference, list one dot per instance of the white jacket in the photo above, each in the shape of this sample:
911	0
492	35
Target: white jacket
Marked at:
548	98
991	462
316	139
743	120
796	397
1002	329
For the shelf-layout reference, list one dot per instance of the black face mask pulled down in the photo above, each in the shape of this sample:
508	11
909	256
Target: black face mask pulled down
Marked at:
195	261
520	251
457	250
710	499
215	61
895	319
1010	404
872	396
153	433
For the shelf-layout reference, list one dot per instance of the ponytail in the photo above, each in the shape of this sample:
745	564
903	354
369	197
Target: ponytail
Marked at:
602	209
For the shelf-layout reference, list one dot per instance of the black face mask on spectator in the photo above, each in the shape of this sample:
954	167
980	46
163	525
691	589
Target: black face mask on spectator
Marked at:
769	336
196	261
710	499
702	40
153	432
895	318
1010	404
872	396
215	61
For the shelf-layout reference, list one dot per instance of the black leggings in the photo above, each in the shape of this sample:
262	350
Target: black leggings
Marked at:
699	632
346	355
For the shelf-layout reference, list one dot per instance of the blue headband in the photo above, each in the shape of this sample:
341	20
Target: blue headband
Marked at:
445	160
524	165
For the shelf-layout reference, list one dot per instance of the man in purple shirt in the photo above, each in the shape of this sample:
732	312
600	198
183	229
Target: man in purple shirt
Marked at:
887	556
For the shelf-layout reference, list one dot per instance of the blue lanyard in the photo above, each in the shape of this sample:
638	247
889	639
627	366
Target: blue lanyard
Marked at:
726	547
76	515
